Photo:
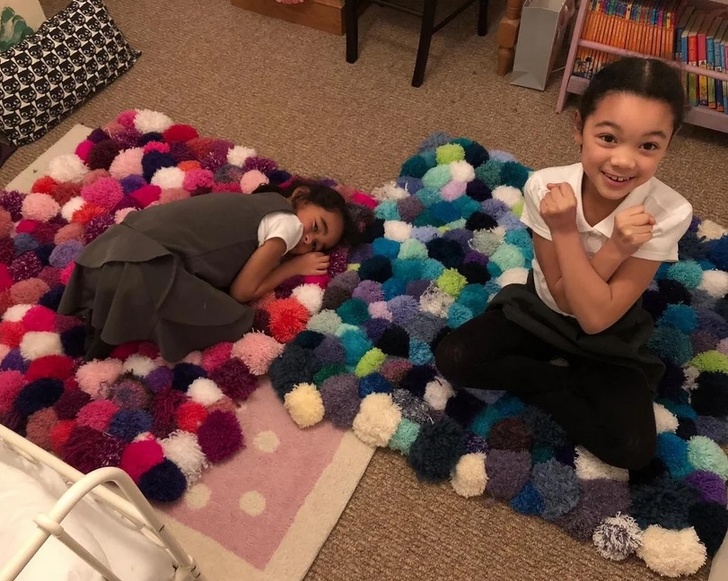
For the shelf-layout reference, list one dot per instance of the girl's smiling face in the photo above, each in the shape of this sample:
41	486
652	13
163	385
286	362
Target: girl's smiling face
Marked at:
322	229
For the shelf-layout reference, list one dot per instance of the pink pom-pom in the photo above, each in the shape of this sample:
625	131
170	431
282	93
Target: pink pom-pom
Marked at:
251	180
139	457
453	190
73	231
127	163
6	280
364	200
119	215
233	187
39	318
39	427
147	195
112	128
126	118
97	414
83	150
50	275
93	176
11	382
6	223
67	272
216	355
198	179
98	375
104	192
40	207
172	195
28	292
220	436
156	146
321	280
257	351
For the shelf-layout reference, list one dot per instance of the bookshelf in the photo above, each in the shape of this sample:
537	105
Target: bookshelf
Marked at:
575	84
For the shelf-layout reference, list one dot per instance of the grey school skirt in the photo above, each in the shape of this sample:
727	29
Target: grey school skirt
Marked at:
624	343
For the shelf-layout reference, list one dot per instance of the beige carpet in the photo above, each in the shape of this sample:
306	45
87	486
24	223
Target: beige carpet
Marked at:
288	91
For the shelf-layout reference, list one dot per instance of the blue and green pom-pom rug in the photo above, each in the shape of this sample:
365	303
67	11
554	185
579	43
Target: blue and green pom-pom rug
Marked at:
446	238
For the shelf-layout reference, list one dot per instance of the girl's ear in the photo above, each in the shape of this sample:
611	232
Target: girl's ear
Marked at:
298	195
578	128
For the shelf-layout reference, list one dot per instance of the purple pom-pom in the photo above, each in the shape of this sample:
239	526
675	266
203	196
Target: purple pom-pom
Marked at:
14	361
235	379
127	424
262	164
220	436
97	136
709	486
368	291
13	203
65	253
159	379
132	183
403	308
340	395
508	471
600	499
330	350
24	242
70	403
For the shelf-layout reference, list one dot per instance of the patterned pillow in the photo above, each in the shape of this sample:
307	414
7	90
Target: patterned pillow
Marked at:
46	75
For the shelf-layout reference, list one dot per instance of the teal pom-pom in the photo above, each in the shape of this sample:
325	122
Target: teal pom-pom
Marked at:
432	269
387	210
444	213
508	256
521	240
407	270
514	174
509	406
463	142
542	454
426	218
355	345
437	177
428	196
688	272
373	383
673	451
705	454
484	421
415	167
386	247
671	344
430	157
394	287
466	206
458	314
412	249
528	501
406	434
494	270
354	312
680	410
681	317
420	353
490	173
662	270
475	297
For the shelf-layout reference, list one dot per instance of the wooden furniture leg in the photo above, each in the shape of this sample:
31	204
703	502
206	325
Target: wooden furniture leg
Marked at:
423	49
351	18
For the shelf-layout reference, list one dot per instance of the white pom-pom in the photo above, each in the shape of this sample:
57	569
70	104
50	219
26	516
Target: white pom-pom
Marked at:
310	296
462	171
67	168
710	230
715	283
147	121
238	154
691	377
204	391
390	191
469	477
487	241
396	230
437	392
589	467
16	313
183	449
36	344
305	405
168	177
665	420
516	275
119	215
617	537
139	365
71	207
380	310
436	301
377	420
672	553
509	195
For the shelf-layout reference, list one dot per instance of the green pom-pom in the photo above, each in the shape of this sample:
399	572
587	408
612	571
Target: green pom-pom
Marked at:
490	173
711	361
428	196
370	363
517	208
508	256
514	174
486	242
416	166
407	432
688	272
458	224
705	454
327	322
354	312
437	177
387	210
452	282
412	249
449	152
328	371
425	218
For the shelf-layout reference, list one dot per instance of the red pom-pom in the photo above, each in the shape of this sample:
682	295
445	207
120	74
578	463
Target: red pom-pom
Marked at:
26	226
39	318
6	281
189	165
148	349
51	276
139	457
125	350
54	366
190	416
235	379
147	194
65	191
40	425
164	410
6	301
87	213
60	434
11	382
11	333
288	317
44	185
67	272
180	132
220	436
86	449
97	414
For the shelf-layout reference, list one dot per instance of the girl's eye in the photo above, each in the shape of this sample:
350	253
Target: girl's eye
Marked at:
315	226
650	146
608	138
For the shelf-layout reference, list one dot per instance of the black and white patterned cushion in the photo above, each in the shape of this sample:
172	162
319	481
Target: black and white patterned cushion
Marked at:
47	74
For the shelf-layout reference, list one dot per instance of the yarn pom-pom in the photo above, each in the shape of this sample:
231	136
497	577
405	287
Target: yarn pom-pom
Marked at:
558	487
183	449
40	424
147	121
377	420
179	132
37	395
239	154
128	163
127	424
190	416
672	553
305	405
204	391
288	317
95	374
664	502
340	397
404	437
508	472
665	420
710	522
235	379
102	154
251	180
705	454
469	477
257	350
589	467
164	482
437	449
709	486
220	436
40	207
67	168
87	449
140	456
97	414
617	537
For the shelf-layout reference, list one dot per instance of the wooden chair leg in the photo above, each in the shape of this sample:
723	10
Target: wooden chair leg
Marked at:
351	17
423	50
482	17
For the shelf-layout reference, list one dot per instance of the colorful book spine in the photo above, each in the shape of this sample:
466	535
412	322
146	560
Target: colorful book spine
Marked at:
719	65
692	32
710	59
703	59
724	50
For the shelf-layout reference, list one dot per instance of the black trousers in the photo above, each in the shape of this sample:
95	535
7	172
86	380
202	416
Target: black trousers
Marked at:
606	408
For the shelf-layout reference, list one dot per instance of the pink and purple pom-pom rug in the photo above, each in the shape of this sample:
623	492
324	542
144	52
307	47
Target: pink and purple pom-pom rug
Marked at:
355	347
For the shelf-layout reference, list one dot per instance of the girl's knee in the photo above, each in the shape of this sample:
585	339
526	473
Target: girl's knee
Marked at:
633	451
450	357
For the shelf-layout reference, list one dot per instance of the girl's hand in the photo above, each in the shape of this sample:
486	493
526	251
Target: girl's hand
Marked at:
632	228
558	208
311	264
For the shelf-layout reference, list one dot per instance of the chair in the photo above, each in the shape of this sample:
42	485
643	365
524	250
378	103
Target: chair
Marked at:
351	17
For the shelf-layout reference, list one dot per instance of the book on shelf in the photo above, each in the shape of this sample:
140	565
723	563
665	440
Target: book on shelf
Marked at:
670	29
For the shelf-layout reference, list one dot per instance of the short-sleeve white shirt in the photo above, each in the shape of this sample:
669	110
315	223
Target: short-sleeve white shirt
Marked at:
284	225
671	211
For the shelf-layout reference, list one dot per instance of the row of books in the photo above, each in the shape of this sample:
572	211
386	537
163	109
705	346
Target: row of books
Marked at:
669	29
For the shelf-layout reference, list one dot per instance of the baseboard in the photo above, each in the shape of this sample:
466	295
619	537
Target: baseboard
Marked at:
324	15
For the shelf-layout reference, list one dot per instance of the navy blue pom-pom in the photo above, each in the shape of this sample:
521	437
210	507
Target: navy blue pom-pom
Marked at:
73	340
710	521
127	424
373	230
691	247
437	449
377	268
308	339
43	253
647	475
481	221
475	154
374	383
163	483
686	428
710	398
474	273
478	190
149	137
375	328
670	386
463	407
718	250
394	341
448	252
665	502
674	291
295	365
52	298
417	378
153	161
37	395
654	303
184	374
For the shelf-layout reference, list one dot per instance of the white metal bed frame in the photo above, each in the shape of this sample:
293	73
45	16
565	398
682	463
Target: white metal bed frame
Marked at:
134	511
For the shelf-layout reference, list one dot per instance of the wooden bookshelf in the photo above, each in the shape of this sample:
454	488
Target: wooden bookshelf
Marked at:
573	84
